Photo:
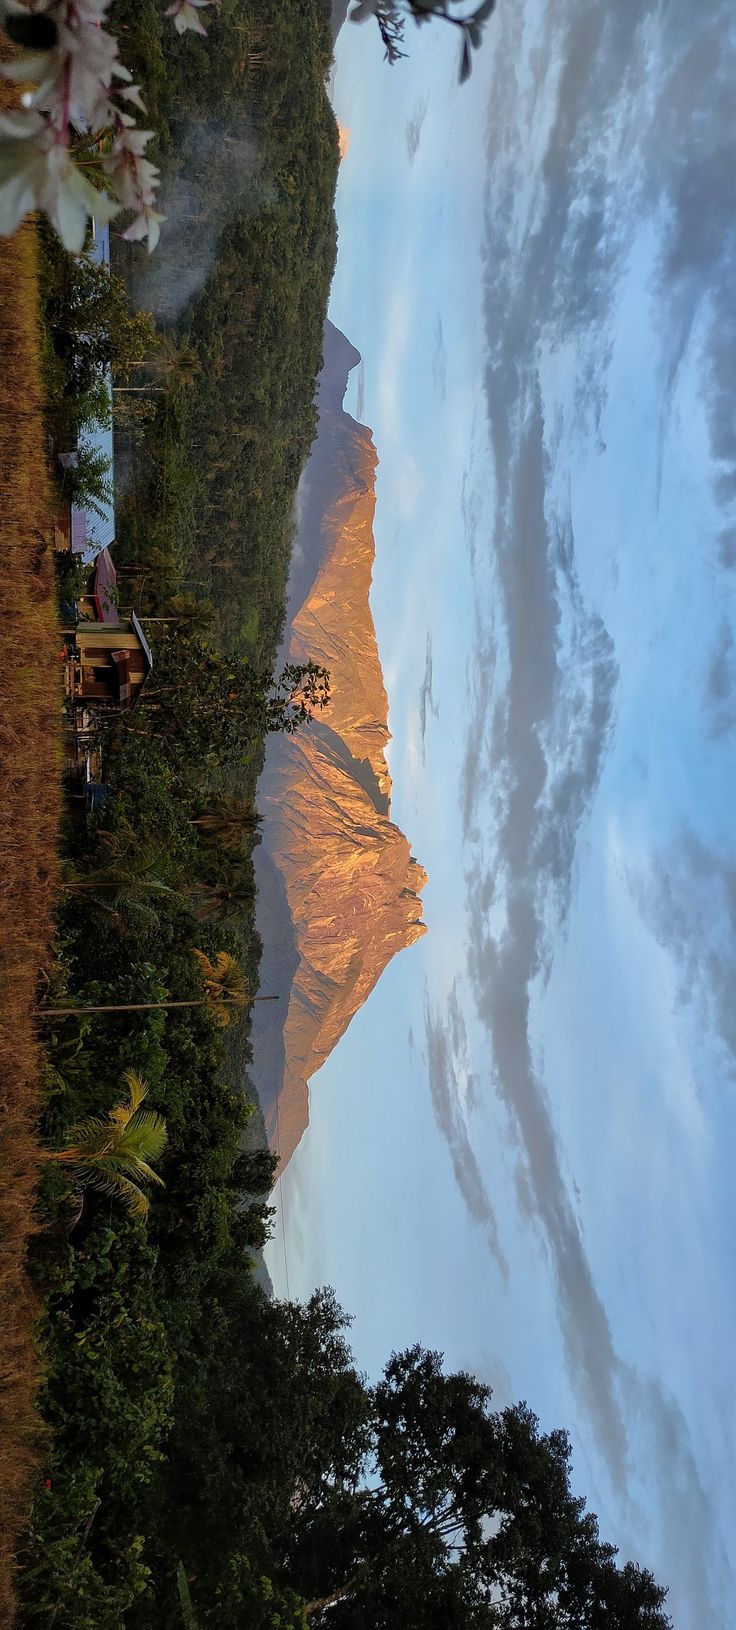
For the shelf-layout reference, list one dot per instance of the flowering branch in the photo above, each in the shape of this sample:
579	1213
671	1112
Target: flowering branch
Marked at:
77	84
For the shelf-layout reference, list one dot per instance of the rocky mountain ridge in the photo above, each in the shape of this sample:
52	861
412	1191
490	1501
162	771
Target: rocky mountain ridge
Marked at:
339	890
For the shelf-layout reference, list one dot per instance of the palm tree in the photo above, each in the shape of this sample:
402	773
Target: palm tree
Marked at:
128	882
113	1153
224	992
223	984
126	888
194	616
228	823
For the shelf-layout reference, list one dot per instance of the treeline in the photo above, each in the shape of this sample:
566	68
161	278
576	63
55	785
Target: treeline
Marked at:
248	146
156	886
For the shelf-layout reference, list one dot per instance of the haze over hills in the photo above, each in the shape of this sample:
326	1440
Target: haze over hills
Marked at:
338	886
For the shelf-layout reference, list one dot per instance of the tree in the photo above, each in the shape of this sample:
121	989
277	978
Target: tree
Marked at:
224	993
216	706
224	986
461	1518
185	611
126	885
113	1153
229	824
92	326
230	894
88	482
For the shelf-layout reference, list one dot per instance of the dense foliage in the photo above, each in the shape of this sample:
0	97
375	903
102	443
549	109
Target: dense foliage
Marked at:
248	148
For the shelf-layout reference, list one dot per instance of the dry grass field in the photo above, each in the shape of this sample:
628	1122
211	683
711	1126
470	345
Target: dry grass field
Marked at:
30	701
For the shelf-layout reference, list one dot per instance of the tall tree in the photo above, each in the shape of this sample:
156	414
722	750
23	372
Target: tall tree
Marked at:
216	706
463	1518
229	824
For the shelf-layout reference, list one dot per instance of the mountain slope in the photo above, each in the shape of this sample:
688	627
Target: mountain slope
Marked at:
338	886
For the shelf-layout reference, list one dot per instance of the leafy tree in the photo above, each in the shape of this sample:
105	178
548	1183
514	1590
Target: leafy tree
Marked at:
88	481
91	323
215	705
463	1518
113	1153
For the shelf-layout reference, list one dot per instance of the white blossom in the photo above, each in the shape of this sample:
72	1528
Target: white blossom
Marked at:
38	172
185	15
77	86
146	225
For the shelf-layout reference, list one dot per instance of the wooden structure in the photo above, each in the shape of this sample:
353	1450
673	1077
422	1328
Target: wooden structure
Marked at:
108	663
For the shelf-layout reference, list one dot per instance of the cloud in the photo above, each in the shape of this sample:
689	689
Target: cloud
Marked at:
544	679
427	703
413	128
439	360
720	684
687	898
610	217
501	974
682	1527
448	1066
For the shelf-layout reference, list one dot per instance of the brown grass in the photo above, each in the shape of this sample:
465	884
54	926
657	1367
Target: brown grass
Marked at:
30	725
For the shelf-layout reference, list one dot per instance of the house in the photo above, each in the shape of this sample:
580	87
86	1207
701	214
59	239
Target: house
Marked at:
107	662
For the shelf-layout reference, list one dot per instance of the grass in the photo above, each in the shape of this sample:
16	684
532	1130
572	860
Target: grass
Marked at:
29	809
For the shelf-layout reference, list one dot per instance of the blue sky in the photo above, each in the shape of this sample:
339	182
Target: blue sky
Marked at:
521	1152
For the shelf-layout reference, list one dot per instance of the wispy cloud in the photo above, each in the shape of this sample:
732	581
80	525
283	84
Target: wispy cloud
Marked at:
450	1083
687	897
413	128
439	360
427	704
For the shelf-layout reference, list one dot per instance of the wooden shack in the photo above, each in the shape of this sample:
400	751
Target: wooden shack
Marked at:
109	663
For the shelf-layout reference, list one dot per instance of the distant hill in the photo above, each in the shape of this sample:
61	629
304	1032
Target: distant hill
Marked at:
338	887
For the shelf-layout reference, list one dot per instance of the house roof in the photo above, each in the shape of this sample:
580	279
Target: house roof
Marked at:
104	584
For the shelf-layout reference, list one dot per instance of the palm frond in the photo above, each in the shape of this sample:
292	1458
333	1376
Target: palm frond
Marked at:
117	1186
144	1137
137	1088
113	1154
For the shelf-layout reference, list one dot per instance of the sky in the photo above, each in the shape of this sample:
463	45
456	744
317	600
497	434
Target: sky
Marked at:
521	1152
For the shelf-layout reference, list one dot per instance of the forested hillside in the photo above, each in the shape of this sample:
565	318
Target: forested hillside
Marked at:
248	147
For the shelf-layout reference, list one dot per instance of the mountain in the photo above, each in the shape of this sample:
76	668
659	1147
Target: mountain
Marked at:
338	888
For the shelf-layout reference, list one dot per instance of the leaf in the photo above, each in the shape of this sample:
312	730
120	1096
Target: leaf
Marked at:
483	12
188	1614
465	59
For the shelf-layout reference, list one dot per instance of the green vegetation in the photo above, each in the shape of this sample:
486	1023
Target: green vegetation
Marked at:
248	148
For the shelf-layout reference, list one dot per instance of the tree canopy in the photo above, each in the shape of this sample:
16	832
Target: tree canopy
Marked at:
459	1516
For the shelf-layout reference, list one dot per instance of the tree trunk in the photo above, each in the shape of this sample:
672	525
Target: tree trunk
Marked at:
137	1007
321	1602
